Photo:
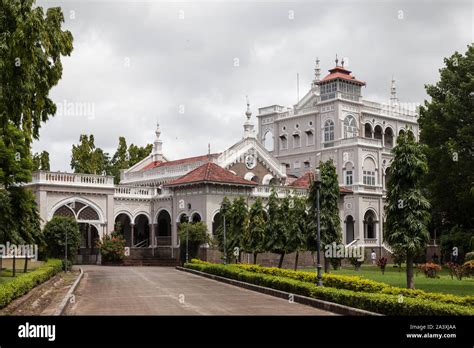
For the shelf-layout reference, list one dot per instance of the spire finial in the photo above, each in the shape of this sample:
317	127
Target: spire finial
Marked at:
342	62
317	71
248	113
337	60
157	145
393	92
248	126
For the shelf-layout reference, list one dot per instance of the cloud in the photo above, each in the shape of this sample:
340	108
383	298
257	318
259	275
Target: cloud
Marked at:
138	62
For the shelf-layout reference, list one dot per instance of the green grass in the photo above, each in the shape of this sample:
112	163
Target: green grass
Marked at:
395	277
6	272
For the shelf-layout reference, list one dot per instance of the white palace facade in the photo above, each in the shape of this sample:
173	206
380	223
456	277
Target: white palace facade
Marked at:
332	121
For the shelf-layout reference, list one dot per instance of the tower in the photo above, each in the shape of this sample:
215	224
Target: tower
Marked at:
248	125
157	153
317	77
393	93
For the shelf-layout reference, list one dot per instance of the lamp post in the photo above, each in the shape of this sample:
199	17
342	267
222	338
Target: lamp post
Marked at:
187	233
225	251
317	181
65	252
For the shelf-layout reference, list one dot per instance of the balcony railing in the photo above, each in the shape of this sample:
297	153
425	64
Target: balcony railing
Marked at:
123	191
265	191
72	179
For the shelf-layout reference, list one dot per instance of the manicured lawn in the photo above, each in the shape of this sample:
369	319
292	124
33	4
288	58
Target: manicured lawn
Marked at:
394	277
6	271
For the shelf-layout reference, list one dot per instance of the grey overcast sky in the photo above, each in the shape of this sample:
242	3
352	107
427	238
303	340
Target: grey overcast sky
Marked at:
138	62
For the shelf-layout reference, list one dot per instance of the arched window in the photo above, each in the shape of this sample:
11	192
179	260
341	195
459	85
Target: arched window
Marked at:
328	130
378	132
296	140
283	142
268	141
349	229
368	130
350	127
388	137
348	174
369	224
368	177
309	137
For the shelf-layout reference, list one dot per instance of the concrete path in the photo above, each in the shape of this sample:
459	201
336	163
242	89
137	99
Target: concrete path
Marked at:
166	291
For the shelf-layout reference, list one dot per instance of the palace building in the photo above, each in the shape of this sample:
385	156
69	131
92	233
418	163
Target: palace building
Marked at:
332	121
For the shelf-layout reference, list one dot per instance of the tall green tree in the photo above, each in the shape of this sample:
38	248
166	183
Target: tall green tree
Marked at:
297	227
407	210
329	211
88	159
275	231
224	211
447	129
254	236
31	45
238	225
41	161
137	153
119	160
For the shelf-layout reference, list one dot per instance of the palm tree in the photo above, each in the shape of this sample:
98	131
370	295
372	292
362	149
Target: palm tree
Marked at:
407	209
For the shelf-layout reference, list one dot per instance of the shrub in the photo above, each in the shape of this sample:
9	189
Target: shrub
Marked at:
55	237
455	270
112	247
355	262
27	281
430	269
468	268
382	263
469	256
375	302
335	263
356	283
197	235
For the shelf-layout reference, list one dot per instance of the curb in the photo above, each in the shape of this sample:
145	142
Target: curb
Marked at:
320	304
69	294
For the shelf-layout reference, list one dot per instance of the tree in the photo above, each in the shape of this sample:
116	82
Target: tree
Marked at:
41	161
8	227
55	237
196	232
225	210
254	234
407	210
329	211
119	160
298	225
31	46
87	159
275	233
24	209
137	153
447	130
238	225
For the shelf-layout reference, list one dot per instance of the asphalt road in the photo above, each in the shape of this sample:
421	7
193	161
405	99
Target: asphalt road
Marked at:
108	290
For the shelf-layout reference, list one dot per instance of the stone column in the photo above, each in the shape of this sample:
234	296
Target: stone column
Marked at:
151	235
132	231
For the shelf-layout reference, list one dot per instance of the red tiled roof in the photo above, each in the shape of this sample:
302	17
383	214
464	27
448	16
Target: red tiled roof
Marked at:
179	161
210	172
305	181
340	73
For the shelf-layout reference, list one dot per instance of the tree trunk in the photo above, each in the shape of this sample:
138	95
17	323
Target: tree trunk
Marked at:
255	258
326	265
410	283
296	260
25	269
282	256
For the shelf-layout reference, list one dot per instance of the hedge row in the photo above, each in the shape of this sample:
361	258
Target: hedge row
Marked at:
25	282
374	302
356	283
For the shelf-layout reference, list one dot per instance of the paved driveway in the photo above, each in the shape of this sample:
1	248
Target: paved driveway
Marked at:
166	291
